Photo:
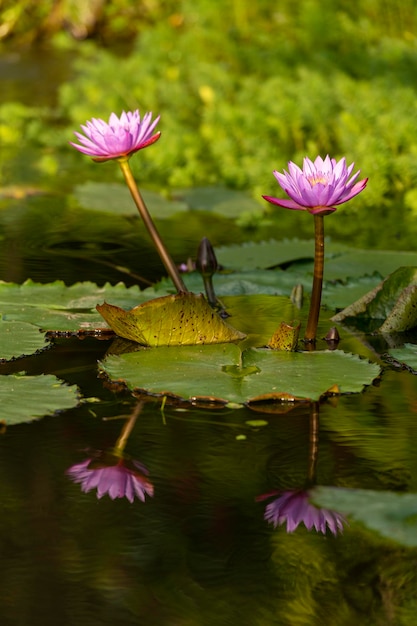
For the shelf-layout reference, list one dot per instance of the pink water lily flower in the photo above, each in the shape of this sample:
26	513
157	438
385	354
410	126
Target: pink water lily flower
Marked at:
294	508
319	187
118	138
123	479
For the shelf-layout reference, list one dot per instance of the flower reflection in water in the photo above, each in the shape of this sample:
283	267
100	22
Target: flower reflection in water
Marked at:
112	471
112	474
295	508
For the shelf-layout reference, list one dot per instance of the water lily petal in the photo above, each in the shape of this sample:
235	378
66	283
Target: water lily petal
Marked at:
119	137
319	187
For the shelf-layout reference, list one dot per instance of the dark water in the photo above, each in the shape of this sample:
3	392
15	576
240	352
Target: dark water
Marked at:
199	551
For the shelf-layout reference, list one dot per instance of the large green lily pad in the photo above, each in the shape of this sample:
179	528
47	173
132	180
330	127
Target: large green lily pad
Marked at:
27	398
392	515
226	374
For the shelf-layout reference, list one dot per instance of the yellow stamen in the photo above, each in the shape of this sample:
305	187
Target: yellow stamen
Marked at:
318	178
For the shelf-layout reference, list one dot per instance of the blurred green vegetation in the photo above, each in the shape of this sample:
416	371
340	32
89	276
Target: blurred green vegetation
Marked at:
241	91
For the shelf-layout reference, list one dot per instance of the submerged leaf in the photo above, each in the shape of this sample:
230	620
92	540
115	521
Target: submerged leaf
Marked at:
180	320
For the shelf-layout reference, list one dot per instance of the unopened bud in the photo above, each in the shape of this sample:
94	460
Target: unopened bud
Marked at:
206	259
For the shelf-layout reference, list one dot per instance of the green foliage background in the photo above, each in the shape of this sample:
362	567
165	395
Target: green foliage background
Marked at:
241	90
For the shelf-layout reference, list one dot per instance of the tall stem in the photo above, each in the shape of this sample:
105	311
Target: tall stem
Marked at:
313	315
166	259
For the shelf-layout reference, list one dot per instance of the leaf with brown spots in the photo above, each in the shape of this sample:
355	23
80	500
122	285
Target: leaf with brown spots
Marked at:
181	320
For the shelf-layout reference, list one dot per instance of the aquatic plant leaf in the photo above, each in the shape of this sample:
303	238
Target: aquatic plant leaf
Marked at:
226	374
285	337
220	200
179	320
57	307
392	515
18	339
27	398
342	262
340	294
116	199
406	355
355	263
272	253
269	282
393	300
335	294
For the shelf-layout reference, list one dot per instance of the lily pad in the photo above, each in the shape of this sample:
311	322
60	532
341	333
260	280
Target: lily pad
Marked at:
220	200
226	374
180	320
116	199
27	398
342	262
57	307
392	515
355	263
263	255
19	339
406	355
276	281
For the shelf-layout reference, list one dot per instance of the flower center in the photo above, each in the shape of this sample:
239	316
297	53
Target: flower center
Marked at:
318	178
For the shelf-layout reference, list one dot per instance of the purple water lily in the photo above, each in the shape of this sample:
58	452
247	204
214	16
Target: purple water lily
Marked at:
118	138
122	479
294	507
319	187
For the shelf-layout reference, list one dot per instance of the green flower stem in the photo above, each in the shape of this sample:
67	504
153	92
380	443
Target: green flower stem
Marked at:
127	429
313	315
166	259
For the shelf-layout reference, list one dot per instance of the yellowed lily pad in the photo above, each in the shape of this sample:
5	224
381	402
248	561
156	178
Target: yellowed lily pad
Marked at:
180	320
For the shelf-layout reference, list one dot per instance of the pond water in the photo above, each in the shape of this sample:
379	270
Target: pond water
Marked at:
198	550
